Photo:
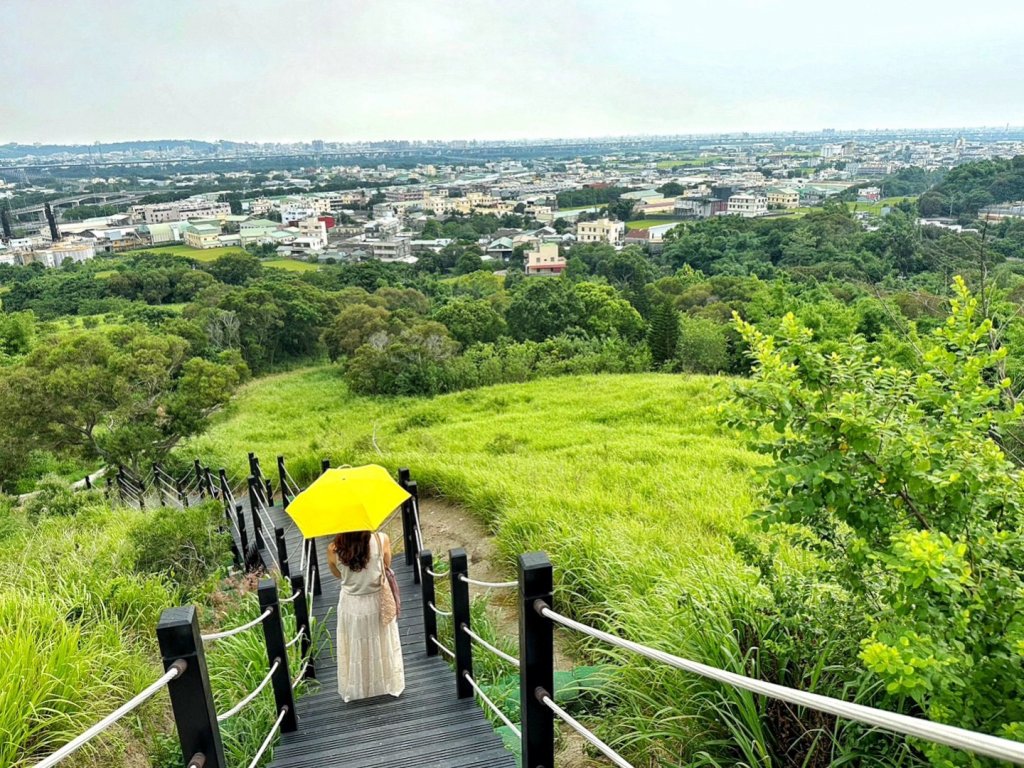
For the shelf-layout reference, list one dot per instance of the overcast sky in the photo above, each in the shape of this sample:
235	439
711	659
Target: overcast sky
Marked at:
265	70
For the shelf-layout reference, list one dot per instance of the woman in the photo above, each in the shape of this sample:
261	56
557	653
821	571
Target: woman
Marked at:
369	652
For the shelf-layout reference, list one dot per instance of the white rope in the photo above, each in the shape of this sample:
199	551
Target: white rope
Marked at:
950	736
256	692
298	678
173	672
608	752
291	599
435	641
237	630
489	584
496	651
302	560
270	738
438	611
294	640
492	705
442	575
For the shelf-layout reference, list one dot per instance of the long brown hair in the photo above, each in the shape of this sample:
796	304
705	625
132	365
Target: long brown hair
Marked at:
353	549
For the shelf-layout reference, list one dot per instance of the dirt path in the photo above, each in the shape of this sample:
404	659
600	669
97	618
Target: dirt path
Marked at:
446	526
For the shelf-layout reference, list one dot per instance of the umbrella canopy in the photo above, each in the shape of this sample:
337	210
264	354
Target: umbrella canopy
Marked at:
346	499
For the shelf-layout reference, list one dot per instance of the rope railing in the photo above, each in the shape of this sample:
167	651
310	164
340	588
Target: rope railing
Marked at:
270	738
441	647
488	584
583	731
441	575
298	636
938	733
302	673
496	651
237	630
290	598
494	708
438	611
75	744
252	695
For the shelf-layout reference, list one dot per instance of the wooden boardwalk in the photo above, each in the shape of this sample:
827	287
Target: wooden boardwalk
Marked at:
426	726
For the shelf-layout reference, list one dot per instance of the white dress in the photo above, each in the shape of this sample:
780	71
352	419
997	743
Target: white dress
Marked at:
369	652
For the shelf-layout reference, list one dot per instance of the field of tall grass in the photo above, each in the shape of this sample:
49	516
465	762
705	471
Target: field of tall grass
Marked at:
82	585
627	481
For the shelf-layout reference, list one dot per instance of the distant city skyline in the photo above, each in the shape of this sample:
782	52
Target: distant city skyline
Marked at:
274	71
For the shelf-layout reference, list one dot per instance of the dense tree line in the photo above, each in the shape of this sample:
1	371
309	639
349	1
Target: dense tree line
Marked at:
968	188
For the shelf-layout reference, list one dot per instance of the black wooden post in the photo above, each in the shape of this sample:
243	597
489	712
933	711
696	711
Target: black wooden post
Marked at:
282	474
414	489
252	463
314	558
191	695
254	500
536	656
273	634
407	545
88	483
242	535
197	468
225	491
269	496
459	566
208	479
325	464
282	552
158	470
182	496
302	623
108	483
120	483
429	617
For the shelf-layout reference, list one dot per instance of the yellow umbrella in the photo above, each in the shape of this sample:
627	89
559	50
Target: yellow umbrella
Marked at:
346	499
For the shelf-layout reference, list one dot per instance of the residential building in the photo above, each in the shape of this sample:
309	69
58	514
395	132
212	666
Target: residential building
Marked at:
192	208
396	249
641	237
202	236
62	252
544	259
869	195
699	208
747	205
783	198
600	231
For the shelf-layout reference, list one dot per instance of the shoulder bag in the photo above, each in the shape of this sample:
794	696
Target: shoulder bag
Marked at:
390	602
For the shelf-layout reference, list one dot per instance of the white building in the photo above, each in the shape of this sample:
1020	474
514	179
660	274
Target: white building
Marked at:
600	231
747	205
62	252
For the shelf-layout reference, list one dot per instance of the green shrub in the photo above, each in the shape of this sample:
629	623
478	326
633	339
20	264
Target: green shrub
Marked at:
184	544
56	498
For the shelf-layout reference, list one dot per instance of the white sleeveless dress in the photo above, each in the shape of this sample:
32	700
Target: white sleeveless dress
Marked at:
369	653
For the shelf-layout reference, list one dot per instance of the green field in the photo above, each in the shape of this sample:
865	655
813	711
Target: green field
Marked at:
648	223
689	162
209	254
291	265
876	207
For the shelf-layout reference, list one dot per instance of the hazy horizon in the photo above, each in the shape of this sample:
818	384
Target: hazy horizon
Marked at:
270	71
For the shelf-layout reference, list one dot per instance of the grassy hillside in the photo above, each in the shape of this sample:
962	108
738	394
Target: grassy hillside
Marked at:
619	477
624	480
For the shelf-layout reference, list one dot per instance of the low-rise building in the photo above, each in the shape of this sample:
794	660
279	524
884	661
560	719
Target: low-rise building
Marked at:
61	253
202	236
545	259
783	198
600	231
192	208
747	205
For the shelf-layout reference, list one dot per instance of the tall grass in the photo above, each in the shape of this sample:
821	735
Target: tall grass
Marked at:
80	596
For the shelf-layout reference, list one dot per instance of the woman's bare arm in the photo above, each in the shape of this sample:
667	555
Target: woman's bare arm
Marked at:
332	560
386	543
